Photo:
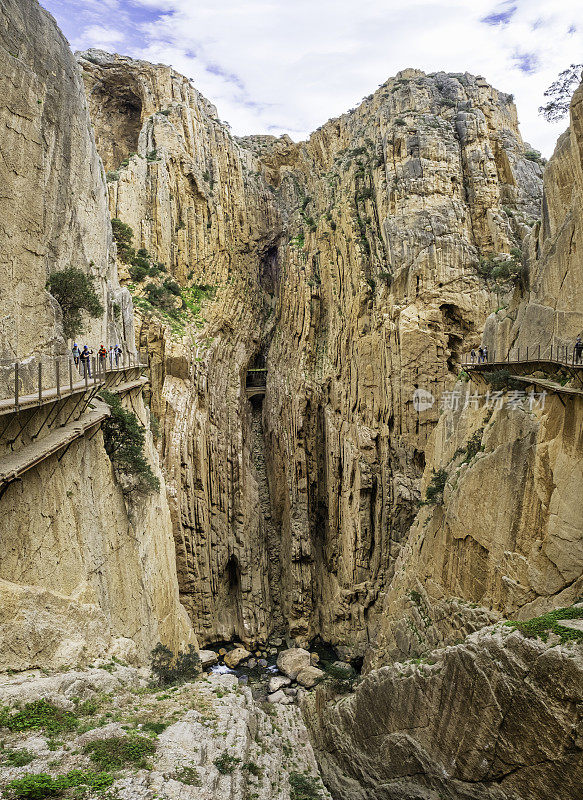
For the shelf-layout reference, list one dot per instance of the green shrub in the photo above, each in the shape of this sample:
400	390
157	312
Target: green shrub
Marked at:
112	176
303	787
540	627
16	758
502	269
252	768
124	440
123	235
152	155
75	292
434	492
187	775
226	763
400	121
501	379
119	751
41	785
533	155
38	715
170	668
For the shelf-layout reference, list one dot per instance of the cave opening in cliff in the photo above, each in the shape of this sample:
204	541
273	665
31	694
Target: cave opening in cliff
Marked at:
233	575
269	270
117	105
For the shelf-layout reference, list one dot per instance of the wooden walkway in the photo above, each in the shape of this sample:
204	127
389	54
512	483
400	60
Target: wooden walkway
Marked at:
14	464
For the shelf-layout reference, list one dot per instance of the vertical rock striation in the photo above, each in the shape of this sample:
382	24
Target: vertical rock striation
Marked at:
350	262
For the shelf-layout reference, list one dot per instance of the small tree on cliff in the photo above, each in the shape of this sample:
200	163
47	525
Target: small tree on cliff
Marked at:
74	291
124	440
560	93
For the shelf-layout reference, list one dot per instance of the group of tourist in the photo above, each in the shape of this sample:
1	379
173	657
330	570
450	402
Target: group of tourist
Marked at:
82	357
482	355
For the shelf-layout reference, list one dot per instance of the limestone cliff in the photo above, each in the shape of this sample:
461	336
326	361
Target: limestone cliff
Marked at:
54	200
83	572
349	262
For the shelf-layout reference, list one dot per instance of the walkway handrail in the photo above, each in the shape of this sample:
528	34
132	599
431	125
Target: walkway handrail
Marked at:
52	376
560	354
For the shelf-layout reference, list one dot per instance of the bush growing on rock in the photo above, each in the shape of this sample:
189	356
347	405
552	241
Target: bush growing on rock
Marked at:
75	292
38	715
124	439
226	763
170	668
119	751
37	787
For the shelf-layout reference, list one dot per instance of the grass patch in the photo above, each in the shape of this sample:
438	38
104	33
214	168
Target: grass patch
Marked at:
121	751
540	627
16	758
501	379
303	787
37	787
187	775
38	715
226	763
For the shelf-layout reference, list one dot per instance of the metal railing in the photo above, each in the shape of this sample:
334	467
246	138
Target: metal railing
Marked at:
561	354
38	379
256	378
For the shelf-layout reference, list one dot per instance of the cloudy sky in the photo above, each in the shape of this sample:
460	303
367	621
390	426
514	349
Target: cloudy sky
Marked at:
286	66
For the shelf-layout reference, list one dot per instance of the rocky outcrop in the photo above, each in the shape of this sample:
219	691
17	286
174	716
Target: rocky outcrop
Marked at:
495	717
350	263
54	197
214	739
505	532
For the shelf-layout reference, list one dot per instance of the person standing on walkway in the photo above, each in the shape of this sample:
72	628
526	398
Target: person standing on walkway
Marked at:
578	350
485	351
117	353
76	353
473	356
480	355
102	353
85	357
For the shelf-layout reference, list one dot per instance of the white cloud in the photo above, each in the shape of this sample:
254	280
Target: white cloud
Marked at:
279	66
100	36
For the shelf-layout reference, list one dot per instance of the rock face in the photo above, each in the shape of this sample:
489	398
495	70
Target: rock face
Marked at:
349	263
550	312
54	197
483	719
83	573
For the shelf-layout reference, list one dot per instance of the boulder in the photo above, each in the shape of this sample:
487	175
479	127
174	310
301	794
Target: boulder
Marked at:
208	658
293	661
277	697
261	662
277	682
234	657
309	676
